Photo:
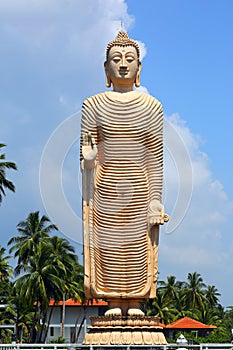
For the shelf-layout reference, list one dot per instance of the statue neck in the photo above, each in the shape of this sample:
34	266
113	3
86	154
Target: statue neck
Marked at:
122	88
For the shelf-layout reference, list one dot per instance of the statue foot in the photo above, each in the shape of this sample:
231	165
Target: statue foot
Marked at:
135	312
116	311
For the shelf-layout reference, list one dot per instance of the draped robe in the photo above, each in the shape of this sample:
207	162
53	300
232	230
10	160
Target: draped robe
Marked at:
120	253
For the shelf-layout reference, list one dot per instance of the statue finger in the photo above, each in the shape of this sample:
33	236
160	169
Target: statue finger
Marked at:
162	211
152	222
89	136
85	139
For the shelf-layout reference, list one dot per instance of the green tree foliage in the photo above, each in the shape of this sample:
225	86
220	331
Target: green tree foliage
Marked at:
192	298
47	269
5	269
4	182
32	231
162	308
193	292
6	312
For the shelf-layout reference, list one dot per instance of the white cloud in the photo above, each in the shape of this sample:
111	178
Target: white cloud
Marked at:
142	89
88	24
197	243
142	49
216	187
53	54
189	256
208	193
61	45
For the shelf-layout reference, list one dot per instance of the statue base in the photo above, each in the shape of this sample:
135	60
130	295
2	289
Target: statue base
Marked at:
128	330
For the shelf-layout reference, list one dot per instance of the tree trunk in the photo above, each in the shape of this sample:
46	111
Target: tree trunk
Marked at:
73	337
80	327
43	326
63	315
32	330
38	330
49	320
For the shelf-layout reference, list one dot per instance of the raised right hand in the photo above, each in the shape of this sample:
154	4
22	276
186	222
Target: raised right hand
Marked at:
89	148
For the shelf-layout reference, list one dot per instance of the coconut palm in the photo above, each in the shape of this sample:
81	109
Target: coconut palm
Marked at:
193	292
228	319
23	313
4	182
31	231
5	284
40	282
63	256
208	315
212	294
46	266
5	268
162	308
171	288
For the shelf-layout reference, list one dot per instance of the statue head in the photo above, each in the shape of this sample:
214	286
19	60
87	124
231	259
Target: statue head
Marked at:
122	65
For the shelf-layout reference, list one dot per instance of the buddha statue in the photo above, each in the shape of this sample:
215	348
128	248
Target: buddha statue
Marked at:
122	171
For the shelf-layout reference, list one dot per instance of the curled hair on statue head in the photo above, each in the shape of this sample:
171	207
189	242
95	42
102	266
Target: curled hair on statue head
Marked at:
122	39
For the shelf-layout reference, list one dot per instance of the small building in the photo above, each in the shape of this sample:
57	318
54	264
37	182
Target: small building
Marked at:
187	324
77	319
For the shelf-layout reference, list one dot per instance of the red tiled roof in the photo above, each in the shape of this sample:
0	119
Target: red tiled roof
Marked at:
161	325
188	323
72	302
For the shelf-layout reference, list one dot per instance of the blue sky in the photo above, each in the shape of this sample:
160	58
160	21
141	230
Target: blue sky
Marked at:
52	55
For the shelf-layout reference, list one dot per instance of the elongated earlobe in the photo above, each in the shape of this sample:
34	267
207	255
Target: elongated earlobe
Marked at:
137	79
108	81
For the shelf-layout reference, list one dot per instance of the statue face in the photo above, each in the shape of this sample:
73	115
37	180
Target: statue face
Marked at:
122	66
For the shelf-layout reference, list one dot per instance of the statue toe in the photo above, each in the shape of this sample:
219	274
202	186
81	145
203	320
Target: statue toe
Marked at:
135	312
116	311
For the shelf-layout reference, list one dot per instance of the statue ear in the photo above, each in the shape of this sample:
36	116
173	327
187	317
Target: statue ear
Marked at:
108	80
137	80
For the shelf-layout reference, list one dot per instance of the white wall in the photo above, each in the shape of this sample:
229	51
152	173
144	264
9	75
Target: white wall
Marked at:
71	315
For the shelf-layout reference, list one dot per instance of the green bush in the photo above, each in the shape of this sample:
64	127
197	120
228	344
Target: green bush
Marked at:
59	340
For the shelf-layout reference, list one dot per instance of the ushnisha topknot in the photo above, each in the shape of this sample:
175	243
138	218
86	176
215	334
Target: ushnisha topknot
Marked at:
122	39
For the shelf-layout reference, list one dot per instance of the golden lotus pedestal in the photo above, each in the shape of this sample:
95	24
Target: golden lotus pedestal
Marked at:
128	330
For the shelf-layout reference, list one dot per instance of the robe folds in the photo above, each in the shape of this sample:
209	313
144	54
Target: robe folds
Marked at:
120	254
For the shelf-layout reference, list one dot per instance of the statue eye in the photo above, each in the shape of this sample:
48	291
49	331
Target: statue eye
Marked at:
116	59
130	59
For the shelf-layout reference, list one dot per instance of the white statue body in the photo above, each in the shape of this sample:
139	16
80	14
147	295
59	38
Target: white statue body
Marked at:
122	164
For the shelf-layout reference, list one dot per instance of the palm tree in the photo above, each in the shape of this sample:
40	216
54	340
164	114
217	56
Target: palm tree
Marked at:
208	315
38	281
162	308
48	269
39	284
77	293
31	231
63	256
171	288
193	292
212	294
5	274
5	269
4	182
228	320
23	313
